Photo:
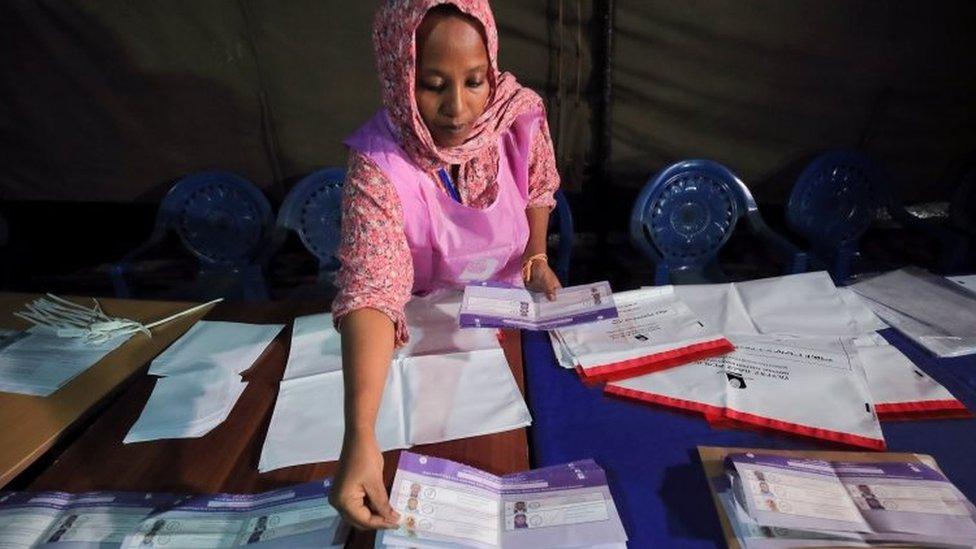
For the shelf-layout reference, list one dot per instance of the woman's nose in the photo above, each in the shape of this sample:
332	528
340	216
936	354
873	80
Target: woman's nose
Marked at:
452	106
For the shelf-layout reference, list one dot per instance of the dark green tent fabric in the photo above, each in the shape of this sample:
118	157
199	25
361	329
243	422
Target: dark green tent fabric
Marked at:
112	100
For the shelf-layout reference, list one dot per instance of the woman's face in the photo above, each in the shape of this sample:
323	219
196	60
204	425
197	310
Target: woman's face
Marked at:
452	85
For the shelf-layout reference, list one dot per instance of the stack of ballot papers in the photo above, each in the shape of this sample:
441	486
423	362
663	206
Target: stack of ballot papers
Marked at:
654	330
200	379
37	362
299	516
444	504
936	313
465	388
779	501
486	305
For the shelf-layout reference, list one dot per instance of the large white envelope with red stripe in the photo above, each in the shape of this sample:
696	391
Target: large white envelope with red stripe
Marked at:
814	387
899	388
654	330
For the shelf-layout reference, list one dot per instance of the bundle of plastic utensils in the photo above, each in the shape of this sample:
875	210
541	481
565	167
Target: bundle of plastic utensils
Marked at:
63	318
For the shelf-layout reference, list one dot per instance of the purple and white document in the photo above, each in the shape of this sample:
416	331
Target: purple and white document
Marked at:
492	306
778	501
299	516
445	504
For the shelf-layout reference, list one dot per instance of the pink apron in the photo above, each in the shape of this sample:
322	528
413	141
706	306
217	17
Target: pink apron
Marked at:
452	244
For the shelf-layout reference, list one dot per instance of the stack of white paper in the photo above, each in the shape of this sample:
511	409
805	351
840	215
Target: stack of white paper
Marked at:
427	398
654	330
937	314
39	363
201	382
780	383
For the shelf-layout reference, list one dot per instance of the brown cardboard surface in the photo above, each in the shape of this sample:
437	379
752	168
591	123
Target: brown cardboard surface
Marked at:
30	425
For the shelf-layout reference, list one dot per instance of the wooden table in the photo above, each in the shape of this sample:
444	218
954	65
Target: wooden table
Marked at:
31	425
226	459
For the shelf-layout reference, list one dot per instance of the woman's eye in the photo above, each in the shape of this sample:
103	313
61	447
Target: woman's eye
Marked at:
432	86
476	83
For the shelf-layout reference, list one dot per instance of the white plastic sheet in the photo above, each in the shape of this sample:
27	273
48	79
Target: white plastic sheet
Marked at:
937	314
427	397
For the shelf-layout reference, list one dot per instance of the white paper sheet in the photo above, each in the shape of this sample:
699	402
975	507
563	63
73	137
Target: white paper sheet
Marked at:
426	399
187	405
813	387
234	346
806	304
40	364
935	313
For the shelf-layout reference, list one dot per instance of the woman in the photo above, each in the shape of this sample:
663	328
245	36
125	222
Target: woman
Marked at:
452	182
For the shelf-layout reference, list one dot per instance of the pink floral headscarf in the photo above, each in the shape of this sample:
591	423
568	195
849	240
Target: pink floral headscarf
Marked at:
394	41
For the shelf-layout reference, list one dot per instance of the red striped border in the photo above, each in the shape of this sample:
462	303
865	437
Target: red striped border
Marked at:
751	419
924	409
656	362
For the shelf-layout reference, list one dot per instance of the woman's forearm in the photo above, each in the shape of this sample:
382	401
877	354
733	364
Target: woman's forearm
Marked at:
538	229
367	349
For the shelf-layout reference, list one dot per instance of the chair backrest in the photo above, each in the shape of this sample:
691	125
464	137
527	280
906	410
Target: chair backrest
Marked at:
313	209
562	219
835	199
686	213
221	218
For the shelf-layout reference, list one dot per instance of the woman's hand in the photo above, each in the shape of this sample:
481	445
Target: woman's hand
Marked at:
543	280
358	492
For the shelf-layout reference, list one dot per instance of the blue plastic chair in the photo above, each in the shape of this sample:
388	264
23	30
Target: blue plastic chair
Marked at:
687	212
313	210
562	219
222	219
837	197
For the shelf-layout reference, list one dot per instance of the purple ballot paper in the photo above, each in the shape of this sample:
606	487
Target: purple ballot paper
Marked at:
298	516
488	305
446	504
869	502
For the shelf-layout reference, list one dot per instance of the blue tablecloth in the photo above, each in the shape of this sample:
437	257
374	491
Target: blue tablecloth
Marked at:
650	453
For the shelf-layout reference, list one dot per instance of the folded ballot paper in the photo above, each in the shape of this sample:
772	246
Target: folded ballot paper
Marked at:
778	501
936	313
428	397
201	380
772	382
444	504
297	516
492	306
654	330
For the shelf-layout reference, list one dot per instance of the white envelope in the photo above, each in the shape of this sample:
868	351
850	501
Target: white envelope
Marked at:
814	387
806	304
651	320
897	385
235	346
187	405
316	347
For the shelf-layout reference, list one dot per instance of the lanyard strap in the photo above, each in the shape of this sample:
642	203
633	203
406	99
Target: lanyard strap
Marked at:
452	190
